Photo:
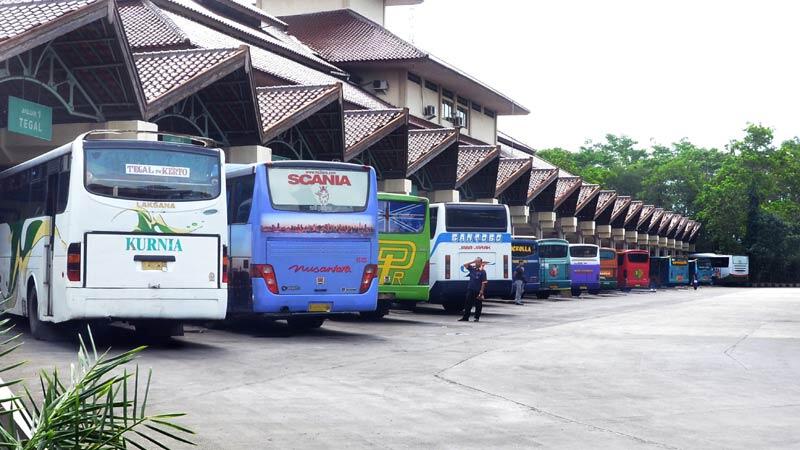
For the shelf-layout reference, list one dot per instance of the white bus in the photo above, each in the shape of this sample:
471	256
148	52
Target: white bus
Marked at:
461	232
727	269
115	229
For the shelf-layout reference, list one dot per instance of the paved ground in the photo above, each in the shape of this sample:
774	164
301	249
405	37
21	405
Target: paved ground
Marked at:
716	368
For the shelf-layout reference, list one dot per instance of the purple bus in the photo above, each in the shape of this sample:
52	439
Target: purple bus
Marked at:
584	268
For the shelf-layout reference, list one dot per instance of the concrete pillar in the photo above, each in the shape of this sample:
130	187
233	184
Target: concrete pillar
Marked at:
618	238
642	240
493	201
691	248
248	154
631	238
444	196
603	232
543	223
395	186
133	125
568	225
586	231
519	215
671	243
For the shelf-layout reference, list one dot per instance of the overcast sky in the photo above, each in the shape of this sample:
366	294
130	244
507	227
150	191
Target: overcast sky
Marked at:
656	71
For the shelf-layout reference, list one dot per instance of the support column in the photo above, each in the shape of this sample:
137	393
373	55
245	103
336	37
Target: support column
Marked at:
586	229
543	222
444	196
631	239
691	248
248	154
493	201
133	125
567	225
395	186
662	246
519	215
642	240
618	238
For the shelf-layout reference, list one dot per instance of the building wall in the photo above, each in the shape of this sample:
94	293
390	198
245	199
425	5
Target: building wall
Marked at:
395	95
483	127
372	9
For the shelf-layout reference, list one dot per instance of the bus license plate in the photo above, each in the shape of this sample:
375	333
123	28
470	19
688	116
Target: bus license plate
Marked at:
319	307
154	265
584	287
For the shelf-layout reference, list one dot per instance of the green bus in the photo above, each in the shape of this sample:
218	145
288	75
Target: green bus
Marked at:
403	252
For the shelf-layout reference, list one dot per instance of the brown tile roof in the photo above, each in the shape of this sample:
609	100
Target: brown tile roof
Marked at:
673	224
681	228
636	206
509	171
472	158
289	48
655	221
588	192
604	200
695	231
254	11
17	17
424	145
620	205
666	219
272	63
647	212
164	72
566	186
282	107
346	36
25	24
363	127
540	179
147	27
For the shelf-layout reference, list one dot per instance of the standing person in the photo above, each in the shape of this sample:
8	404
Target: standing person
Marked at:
519	284
475	289
695	282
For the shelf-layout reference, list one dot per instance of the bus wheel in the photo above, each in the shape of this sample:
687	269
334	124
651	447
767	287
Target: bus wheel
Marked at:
576	292
305	323
595	292
542	295
453	306
42	331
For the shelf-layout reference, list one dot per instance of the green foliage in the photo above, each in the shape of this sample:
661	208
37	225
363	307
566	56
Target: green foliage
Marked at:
747	196
101	406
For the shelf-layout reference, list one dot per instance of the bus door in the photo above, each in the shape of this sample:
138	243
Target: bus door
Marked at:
52	196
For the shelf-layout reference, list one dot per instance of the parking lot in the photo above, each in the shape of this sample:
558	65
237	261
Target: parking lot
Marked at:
714	368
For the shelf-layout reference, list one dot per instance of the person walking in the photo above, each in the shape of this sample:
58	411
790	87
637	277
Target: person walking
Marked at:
475	289
519	284
695	282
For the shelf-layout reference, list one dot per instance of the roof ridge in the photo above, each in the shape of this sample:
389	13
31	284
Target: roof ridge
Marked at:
296	86
188	50
433	130
374	111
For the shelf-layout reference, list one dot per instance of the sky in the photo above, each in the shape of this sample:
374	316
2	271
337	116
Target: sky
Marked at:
656	71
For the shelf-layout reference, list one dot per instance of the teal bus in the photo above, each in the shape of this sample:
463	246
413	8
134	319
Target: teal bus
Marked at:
403	251
554	263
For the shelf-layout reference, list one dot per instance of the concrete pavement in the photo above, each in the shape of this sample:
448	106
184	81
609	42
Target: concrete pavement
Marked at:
716	368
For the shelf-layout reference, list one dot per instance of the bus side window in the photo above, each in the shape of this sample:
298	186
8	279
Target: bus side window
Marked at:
63	192
242	199
38	194
434	218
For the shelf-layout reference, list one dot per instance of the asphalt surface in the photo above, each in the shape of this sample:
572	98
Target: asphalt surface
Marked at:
715	368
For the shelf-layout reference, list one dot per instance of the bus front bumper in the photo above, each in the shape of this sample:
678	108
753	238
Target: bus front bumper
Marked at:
449	289
132	304
283	306
397	293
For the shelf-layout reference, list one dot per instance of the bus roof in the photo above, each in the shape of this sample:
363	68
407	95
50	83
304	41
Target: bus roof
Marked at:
552	241
235	170
633	250
708	255
471	204
584	245
402	197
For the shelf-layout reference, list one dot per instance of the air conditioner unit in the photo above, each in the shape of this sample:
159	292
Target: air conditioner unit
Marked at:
380	85
455	120
429	111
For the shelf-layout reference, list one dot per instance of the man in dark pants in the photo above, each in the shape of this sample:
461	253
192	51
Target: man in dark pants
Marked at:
475	288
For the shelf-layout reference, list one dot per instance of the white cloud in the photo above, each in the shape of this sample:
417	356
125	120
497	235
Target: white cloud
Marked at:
652	70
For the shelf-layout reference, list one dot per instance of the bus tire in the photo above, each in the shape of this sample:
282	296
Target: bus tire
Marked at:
595	291
452	306
40	330
542	295
305	323
381	310
576	292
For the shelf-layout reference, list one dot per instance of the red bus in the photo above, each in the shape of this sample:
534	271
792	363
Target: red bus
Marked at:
633	269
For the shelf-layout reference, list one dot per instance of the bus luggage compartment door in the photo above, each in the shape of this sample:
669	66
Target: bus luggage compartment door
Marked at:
319	267
156	261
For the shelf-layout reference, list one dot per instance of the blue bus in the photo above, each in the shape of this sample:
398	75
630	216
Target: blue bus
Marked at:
303	240
669	271
524	251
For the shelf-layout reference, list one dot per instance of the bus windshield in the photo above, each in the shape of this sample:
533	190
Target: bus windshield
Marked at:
552	251
152	174
318	190
607	254
404	217
637	257
476	218
583	251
